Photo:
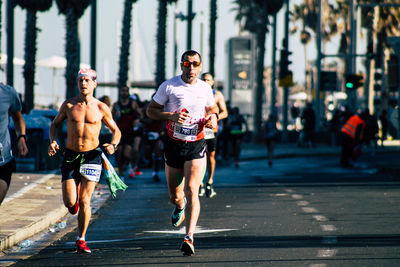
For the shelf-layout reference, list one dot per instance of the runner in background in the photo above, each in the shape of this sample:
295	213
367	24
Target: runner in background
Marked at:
211	138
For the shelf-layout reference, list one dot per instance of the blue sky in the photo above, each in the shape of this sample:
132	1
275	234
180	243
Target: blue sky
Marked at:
142	60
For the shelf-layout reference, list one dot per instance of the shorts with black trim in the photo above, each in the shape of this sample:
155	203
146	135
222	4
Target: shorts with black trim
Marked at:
70	168
177	152
7	170
211	144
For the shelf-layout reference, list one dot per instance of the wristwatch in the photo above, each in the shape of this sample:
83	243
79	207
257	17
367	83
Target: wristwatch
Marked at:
21	136
115	147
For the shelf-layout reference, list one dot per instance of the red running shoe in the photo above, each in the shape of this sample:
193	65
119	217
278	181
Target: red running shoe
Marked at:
81	247
137	171
75	208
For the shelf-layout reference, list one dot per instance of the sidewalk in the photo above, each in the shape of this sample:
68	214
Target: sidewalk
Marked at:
34	203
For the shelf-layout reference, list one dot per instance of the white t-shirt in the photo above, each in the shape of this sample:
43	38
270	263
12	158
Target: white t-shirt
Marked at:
9	101
176	95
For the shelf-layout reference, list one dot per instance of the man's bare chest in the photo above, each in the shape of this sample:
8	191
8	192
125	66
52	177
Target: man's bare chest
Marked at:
85	115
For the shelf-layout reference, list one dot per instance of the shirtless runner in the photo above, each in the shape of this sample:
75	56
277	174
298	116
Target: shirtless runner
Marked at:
81	167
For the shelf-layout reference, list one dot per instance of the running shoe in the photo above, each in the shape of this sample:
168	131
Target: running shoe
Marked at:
75	208
81	247
137	171
187	246
202	191
178	215
210	191
156	178
132	174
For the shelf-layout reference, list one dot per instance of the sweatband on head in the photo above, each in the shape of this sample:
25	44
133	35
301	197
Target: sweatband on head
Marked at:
87	73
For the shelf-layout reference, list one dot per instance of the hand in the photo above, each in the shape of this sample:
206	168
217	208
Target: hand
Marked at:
211	121
53	147
109	148
22	148
180	117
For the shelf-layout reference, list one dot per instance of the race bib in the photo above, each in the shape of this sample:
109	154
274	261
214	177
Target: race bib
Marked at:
151	136
91	172
209	133
187	132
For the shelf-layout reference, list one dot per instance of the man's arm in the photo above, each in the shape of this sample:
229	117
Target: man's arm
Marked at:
61	116
112	125
212	116
156	111
20	130
220	100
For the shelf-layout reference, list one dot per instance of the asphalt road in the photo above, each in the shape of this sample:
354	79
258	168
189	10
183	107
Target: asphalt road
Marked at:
300	212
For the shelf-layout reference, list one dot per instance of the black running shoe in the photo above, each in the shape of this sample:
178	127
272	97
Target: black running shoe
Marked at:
210	191
187	246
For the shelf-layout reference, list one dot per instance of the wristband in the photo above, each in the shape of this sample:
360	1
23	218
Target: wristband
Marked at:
115	147
21	136
216	114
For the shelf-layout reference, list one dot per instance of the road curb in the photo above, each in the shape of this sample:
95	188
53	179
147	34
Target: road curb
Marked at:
36	227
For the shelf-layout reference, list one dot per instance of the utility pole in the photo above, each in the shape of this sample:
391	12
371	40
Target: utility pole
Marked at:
318	67
93	36
273	74
10	41
351	59
189	24
285	89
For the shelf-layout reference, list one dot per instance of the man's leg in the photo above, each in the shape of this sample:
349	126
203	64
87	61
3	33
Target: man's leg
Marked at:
175	186
85	212
194	172
3	190
135	159
69	192
5	180
211	162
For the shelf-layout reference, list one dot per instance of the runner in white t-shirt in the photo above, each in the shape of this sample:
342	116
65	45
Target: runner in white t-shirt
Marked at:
188	106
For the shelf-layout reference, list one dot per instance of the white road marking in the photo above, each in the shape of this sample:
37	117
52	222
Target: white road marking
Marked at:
318	265
280	195
302	203
320	218
325	253
29	187
181	231
197	231
328	227
309	209
295	196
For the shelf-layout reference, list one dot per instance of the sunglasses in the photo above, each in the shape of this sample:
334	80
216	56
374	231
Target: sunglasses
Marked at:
188	63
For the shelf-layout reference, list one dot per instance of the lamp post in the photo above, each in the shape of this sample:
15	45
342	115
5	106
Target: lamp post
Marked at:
10	41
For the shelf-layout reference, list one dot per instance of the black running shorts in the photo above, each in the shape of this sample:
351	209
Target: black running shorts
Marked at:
70	168
6	171
177	152
211	144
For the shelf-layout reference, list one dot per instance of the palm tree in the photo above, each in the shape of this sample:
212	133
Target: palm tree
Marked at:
161	40
73	10
125	43
213	19
254	18
32	7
